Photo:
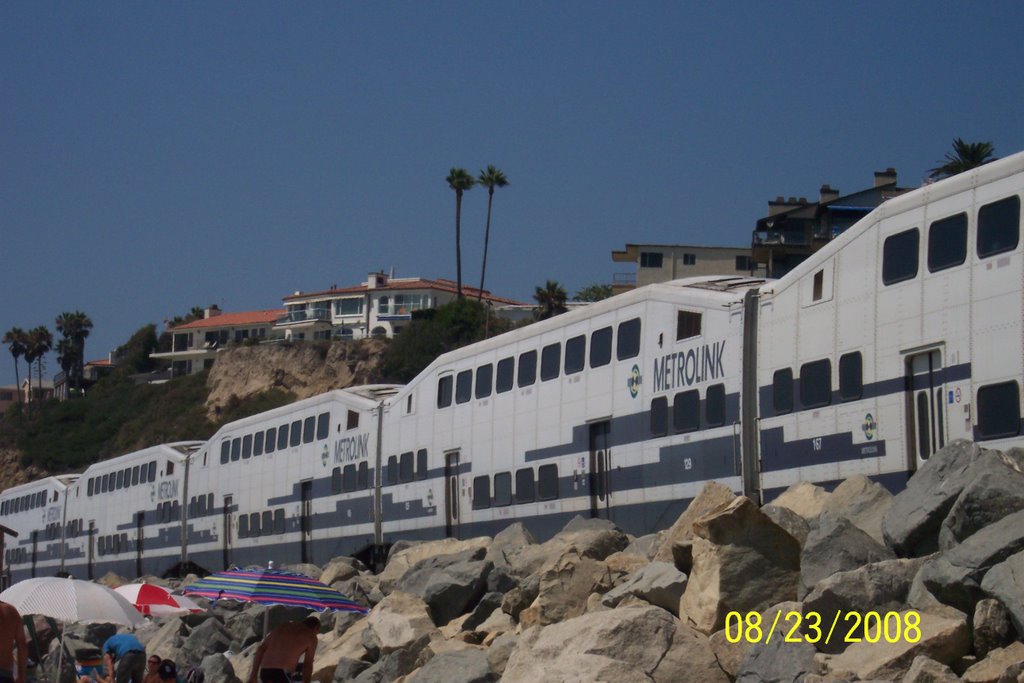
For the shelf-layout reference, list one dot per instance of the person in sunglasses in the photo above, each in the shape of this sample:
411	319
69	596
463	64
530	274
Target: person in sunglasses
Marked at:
152	670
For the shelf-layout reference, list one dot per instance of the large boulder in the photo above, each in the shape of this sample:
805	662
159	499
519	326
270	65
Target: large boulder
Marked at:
460	666
926	670
406	555
1005	583
742	561
658	583
955	576
342	650
863	502
836	545
689	659
217	667
451	585
991	626
995	489
711	497
997	663
208	638
777	661
399	621
803	498
341	569
794	524
625	644
911	524
564	586
942	639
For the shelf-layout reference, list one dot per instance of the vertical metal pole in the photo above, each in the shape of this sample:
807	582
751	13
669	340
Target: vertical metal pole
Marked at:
378	528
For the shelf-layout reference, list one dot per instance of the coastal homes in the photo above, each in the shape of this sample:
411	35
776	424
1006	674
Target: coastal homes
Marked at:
194	344
381	306
664	262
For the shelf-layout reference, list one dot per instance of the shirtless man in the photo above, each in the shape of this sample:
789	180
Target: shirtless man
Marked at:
12	637
278	654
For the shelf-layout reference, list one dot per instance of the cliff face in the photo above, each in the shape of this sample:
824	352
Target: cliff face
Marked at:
304	369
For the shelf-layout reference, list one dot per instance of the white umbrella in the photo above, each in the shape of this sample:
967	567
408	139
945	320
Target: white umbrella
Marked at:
71	600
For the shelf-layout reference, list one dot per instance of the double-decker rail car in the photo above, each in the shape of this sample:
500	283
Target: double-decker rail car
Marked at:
125	515
35	512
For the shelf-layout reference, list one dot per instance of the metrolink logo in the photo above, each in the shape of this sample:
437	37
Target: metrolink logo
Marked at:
686	368
352	448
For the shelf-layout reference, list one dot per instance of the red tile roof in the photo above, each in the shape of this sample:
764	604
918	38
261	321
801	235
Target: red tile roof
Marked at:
440	284
234	319
101	363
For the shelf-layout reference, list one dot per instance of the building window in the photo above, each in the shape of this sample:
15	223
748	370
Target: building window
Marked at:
998	411
689	259
816	383
687	325
686	411
628	344
481	493
651	259
464	386
947	243
659	416
851	376
899	257
998	226
506	370
351	306
527	368
575	354
601	347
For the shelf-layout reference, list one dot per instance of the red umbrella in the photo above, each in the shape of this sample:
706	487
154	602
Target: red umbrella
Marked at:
156	600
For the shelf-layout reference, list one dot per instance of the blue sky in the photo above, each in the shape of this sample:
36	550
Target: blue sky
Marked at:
159	156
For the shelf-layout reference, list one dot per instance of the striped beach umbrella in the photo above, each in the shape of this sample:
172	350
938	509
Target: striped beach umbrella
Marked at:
272	587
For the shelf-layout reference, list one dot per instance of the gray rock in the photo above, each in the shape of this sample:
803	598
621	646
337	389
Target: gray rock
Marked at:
690	659
911	524
348	669
927	670
208	638
400	663
995	490
310	570
803	498
451	585
996	665
861	501
359	589
1005	583
658	583
955	576
502	578
836	545
371	674
711	497
488	603
216	667
521	597
777	662
461	666
501	647
592	537
796	525
646	546
342	569
992	627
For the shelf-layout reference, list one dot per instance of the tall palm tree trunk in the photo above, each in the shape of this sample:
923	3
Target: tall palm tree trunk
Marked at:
458	244
487	238
17	381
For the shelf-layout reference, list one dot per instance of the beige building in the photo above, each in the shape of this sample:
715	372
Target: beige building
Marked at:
663	262
194	345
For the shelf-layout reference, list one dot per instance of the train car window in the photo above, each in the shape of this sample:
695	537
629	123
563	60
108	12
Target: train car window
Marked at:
279	521
601	347
899	257
225	451
525	489
659	416
254	524
120	480
444	391
502	489
818	286
295	436
421	463
348	479
392	470
323	426
998	226
484	378
336	480
686	411
257	444
999	410
88	492
282	437
527	368
550	360
243	526
816	384
851	376
506	370
363	476
170	468
464	386
135	474
353	420
547	482
101	546
714	405
782	391
247	446
152	471
947	243
271	439
176	511
481	493
308	429
267	523
628	343
405	467
687	325
236	449
209	502
127	483
575	354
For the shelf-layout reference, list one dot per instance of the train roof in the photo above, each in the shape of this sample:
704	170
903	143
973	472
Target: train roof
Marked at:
178	450
59	481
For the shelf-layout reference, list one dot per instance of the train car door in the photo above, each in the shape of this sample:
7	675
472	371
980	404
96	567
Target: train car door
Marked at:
451	494
306	522
600	471
139	519
925	409
228	501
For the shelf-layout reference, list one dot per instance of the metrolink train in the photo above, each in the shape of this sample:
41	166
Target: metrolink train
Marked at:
903	333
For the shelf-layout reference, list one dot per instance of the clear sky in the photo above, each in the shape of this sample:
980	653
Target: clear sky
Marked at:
159	156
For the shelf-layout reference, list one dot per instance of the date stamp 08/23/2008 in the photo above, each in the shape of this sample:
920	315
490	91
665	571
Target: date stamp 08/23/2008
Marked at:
808	627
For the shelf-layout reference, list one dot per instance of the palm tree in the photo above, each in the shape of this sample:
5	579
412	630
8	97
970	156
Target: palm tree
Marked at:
66	356
16	341
40	341
550	300
75	325
491	177
964	157
459	180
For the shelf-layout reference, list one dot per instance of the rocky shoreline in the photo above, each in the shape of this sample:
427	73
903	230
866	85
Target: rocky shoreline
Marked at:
849	585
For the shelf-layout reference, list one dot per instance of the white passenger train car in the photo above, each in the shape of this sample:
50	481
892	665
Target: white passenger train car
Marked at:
900	335
293	484
35	512
571	416
124	514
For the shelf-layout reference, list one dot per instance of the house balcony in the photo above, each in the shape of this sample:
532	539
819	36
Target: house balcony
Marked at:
298	317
